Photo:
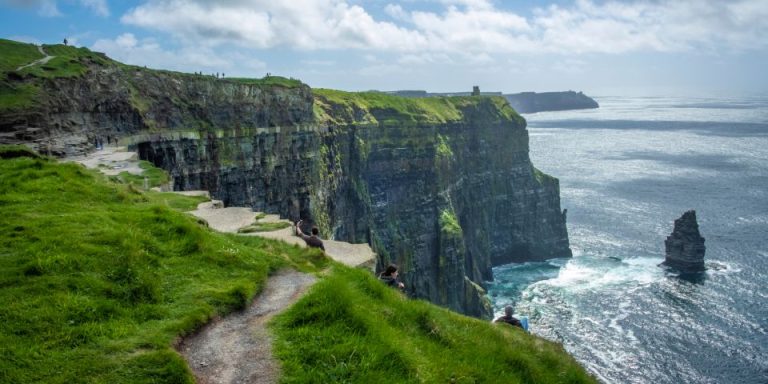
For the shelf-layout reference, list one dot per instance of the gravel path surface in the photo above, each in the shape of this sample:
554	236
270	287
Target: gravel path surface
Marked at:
42	61
238	348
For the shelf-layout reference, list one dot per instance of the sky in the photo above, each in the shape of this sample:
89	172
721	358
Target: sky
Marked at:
603	48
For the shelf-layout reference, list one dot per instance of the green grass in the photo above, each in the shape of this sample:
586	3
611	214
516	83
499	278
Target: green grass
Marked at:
68	62
264	227
350	328
20	89
542	177
16	54
268	81
175	200
17	96
155	176
340	107
449	223
98	279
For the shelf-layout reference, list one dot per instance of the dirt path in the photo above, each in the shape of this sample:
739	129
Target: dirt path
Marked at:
238	348
44	60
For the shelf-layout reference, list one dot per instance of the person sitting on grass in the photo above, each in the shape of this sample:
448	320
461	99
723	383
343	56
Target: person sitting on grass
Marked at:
389	277
508	318
312	241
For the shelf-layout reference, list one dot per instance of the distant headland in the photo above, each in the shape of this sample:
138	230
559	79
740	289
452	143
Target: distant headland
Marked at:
524	102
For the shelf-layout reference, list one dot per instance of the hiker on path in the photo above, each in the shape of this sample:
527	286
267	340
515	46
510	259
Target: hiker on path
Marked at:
312	241
508	318
389	277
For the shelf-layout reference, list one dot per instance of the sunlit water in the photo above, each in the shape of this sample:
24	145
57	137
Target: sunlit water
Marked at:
626	171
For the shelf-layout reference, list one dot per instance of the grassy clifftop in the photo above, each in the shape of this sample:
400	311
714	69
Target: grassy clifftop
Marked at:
353	329
339	107
21	85
98	279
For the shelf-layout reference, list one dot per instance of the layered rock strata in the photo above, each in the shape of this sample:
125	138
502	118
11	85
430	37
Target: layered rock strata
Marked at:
685	247
443	187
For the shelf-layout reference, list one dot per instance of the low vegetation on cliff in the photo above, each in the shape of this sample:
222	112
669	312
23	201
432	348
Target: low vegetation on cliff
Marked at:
21	83
99	279
351	328
340	107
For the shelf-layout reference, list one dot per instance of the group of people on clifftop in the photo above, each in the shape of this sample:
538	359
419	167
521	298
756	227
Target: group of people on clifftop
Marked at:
390	277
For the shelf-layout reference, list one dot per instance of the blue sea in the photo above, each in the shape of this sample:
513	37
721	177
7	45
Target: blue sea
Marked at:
627	170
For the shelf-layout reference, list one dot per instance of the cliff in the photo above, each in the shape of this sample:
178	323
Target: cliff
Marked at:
685	246
524	102
530	102
442	186
99	281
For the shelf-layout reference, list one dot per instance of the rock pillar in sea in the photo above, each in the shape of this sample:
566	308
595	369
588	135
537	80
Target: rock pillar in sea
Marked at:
685	246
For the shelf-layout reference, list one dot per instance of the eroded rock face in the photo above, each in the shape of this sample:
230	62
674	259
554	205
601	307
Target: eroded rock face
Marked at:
445	201
685	246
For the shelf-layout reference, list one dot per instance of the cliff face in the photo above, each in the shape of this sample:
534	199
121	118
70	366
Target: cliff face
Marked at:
443	187
685	246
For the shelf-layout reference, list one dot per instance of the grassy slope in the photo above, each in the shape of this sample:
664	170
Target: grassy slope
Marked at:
97	279
352	329
341	107
72	61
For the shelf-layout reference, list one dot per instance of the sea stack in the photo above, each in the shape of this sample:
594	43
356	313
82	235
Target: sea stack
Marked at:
685	246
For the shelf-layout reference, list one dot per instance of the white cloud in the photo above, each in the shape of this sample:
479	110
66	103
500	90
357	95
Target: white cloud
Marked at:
301	24
396	12
97	6
683	25
49	8
463	26
128	49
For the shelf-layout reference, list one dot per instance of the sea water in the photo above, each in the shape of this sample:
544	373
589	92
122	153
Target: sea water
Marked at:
627	170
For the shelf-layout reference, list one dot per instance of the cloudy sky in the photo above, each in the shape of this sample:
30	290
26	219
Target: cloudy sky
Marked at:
644	47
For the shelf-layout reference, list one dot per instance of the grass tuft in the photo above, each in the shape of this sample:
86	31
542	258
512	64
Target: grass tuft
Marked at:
352	328
98	279
14	151
264	227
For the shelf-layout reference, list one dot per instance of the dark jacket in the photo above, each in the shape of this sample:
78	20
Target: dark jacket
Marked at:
509	320
390	281
313	241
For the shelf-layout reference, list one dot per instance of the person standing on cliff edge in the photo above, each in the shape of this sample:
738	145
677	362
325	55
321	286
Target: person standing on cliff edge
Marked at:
312	241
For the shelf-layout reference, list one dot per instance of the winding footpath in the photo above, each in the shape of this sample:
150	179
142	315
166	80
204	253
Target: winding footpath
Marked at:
238	347
42	61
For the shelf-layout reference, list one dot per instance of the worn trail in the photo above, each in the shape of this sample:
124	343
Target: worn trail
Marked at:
42	61
238	348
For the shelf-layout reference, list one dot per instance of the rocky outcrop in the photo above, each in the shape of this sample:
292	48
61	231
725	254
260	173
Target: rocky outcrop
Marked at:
531	102
685	246
443	187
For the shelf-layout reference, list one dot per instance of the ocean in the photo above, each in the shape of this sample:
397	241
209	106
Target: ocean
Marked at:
627	170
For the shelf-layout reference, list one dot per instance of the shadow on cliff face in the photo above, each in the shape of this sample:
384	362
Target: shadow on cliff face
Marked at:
706	128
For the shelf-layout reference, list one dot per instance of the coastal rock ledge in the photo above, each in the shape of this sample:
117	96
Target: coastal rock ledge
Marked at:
685	246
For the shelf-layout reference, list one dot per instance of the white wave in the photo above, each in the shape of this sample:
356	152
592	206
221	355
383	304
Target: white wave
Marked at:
578	275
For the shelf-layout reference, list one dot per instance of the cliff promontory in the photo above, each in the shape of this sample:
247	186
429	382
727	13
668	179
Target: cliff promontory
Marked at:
523	102
531	102
442	186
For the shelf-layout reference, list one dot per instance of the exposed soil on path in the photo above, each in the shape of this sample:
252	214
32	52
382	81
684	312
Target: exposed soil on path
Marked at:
42	61
238	348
